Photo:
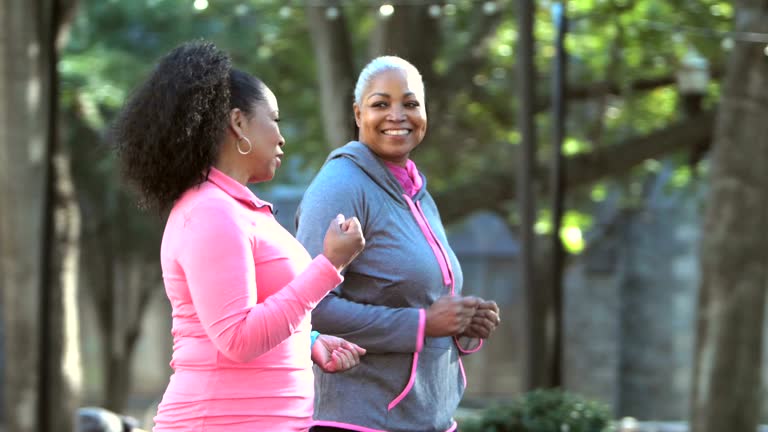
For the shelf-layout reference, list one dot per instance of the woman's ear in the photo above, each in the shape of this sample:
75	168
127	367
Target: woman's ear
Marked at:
356	109
236	122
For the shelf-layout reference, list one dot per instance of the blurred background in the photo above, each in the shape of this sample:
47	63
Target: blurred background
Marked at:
601	167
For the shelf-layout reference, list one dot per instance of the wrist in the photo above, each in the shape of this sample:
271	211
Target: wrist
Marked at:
313	337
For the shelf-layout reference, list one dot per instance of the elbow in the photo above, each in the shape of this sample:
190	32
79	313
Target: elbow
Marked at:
237	355
237	350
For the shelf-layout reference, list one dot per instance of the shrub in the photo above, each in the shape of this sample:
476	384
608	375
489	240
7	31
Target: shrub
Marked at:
543	411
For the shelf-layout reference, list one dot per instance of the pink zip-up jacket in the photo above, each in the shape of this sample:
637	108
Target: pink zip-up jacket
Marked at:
241	288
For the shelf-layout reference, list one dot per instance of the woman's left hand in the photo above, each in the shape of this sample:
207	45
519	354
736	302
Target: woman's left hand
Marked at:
485	321
334	354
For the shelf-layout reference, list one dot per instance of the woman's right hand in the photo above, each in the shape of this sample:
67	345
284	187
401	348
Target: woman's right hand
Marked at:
343	241
450	315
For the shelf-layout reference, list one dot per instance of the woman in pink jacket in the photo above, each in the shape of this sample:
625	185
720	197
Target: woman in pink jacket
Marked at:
241	287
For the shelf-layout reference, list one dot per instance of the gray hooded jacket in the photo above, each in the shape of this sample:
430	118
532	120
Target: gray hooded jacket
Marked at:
406	381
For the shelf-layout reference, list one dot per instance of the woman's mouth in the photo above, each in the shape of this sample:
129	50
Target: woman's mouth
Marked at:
396	132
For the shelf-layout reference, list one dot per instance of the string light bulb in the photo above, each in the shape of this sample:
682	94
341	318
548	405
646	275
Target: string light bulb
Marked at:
435	11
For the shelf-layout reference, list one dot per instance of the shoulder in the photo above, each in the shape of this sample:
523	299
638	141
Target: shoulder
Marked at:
338	176
335	167
208	205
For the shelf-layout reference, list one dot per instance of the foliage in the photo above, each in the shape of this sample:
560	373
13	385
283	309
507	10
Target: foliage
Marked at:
550	410
472	108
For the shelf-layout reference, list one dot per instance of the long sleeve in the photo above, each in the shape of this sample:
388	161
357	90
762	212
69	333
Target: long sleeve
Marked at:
377	328
217	257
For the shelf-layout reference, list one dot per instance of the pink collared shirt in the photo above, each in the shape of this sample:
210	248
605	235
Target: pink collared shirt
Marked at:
408	176
241	288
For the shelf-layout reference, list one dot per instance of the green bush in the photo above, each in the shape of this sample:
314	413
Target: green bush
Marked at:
543	411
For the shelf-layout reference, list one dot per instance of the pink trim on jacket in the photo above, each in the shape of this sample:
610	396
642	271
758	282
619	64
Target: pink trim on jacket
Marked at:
443	254
422	330
407	389
436	248
415	362
468	351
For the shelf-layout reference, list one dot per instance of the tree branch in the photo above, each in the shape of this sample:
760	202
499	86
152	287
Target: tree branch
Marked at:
505	113
485	191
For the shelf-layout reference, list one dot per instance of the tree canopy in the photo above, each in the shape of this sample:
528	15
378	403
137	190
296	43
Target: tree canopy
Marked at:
623	57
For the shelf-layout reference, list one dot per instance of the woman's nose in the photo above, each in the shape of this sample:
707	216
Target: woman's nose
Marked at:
396	114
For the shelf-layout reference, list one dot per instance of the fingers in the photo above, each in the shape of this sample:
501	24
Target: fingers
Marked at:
336	224
353	347
489	304
343	359
350	224
483	324
471	301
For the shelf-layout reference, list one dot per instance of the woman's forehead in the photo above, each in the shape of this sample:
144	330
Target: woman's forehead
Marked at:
410	82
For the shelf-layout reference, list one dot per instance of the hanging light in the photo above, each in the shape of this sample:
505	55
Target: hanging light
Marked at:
693	75
332	13
490	7
727	44
285	12
435	11
386	10
201	4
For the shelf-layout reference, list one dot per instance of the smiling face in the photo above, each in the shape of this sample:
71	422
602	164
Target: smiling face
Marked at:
391	115
262	130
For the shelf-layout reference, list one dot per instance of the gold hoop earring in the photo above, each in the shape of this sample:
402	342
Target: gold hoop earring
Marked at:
250	146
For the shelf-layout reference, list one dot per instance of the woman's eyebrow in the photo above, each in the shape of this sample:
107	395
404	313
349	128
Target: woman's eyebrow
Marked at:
378	94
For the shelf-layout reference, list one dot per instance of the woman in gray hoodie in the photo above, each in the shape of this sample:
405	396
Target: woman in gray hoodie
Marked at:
401	298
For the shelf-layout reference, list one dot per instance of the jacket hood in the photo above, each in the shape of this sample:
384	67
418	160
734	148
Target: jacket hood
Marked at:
375	168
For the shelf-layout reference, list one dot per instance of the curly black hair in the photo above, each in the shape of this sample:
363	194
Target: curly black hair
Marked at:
168	133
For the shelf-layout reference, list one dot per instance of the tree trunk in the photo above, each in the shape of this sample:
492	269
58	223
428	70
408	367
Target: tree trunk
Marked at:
734	254
395	35
61	350
335	73
132	289
25	98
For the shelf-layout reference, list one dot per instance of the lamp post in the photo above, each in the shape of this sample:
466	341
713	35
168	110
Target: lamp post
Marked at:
526	200
557	187
692	81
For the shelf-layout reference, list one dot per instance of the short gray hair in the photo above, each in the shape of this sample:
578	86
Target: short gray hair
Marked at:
381	64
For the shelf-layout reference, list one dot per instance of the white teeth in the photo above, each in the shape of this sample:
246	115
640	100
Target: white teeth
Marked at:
396	132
